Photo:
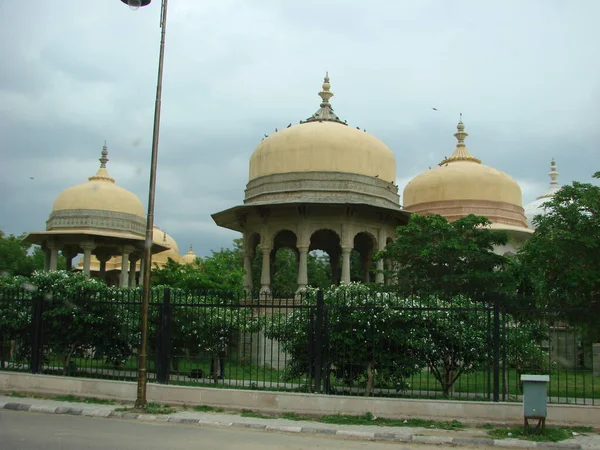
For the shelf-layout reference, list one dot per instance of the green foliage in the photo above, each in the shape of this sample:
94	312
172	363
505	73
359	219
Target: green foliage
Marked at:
81	316
456	339
20	258
382	339
563	255
222	271
180	276
436	257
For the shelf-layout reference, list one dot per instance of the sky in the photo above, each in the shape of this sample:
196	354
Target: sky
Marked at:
524	74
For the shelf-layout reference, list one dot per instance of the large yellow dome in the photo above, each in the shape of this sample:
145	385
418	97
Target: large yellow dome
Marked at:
99	193
461	185
323	143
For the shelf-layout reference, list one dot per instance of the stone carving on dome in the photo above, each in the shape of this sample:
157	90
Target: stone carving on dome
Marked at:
99	219
322	186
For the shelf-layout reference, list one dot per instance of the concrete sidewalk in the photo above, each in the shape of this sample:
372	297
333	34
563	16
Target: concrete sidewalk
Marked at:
465	437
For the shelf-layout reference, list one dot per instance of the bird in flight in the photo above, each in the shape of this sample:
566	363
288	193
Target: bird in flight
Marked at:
435	109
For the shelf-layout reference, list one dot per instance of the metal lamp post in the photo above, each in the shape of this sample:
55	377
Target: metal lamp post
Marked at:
142	375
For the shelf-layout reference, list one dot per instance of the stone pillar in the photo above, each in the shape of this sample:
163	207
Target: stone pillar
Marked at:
102	257
46	258
53	263
380	276
596	359
141	278
125	265
133	259
69	255
87	247
248	271
265	276
302	268
346	265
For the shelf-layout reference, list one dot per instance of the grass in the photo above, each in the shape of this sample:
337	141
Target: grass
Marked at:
365	419
205	408
150	408
551	434
67	398
564	384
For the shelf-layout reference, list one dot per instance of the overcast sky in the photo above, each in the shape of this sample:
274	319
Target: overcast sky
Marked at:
524	73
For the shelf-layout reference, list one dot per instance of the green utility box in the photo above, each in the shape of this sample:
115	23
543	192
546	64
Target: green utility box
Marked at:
535	394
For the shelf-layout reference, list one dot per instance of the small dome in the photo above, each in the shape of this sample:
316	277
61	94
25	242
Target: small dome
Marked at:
461	185
99	193
161	237
323	143
535	208
190	257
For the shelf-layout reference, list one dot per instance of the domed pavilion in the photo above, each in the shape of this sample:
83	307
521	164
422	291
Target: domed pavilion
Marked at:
100	220
317	185
461	185
112	271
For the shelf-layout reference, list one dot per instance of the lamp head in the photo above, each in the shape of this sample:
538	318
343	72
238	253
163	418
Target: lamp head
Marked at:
135	4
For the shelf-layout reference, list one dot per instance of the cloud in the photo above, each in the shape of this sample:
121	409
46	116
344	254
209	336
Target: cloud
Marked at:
78	73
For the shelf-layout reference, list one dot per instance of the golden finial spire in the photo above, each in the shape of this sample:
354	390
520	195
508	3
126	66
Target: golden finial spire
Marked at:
461	153
104	156
325	112
102	173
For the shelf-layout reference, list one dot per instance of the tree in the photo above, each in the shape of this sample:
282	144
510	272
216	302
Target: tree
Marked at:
370	336
21	258
563	255
81	316
432	256
181	276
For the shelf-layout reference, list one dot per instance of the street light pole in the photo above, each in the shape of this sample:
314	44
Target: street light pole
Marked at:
142	375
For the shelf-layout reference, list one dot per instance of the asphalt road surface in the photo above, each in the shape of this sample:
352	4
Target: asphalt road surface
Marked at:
33	431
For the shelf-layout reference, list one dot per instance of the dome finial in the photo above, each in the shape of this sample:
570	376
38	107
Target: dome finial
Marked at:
461	153
325	112
104	156
553	173
102	173
554	186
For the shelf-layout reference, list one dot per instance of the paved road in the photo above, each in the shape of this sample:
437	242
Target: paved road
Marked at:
32	431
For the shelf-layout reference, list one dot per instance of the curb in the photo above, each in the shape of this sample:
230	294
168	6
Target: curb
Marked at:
367	435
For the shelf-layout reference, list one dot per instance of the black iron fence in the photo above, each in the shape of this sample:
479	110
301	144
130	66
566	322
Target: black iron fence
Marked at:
345	341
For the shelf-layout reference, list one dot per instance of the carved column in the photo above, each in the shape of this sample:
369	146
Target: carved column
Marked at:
87	247
125	265
133	259
142	265
265	276
379	276
102	257
346	265
54	248
46	251
302	268
248	271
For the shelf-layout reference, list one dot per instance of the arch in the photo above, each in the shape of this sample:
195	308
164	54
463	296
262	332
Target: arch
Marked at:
329	241
285	239
251	240
325	239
